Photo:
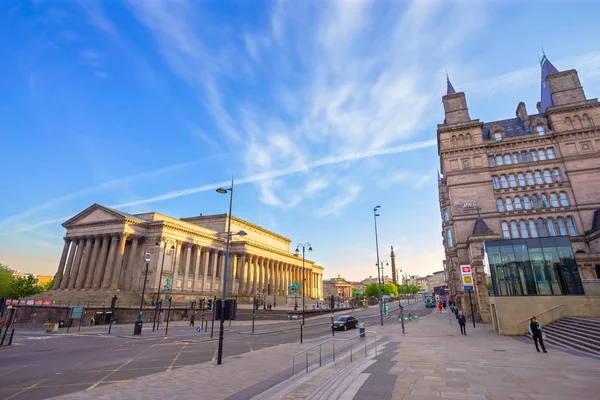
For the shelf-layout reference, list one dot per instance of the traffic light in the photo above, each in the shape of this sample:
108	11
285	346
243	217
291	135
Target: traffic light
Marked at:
230	309
113	302
332	302
210	304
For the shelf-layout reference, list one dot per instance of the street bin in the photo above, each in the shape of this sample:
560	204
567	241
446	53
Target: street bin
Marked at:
361	329
61	324
137	328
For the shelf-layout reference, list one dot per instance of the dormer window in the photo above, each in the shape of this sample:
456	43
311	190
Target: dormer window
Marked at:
498	136
540	130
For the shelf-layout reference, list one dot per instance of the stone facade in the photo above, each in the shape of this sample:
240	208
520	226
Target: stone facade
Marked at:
104	252
528	176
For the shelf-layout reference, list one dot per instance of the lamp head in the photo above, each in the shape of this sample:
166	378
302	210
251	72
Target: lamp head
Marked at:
241	233
157	244
309	248
173	247
222	190
147	257
297	251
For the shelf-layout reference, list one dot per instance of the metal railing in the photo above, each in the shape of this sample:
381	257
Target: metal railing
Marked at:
550	315
320	346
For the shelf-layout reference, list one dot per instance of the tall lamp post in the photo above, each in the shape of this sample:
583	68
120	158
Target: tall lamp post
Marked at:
137	328
224	288
375	215
156	323
303	246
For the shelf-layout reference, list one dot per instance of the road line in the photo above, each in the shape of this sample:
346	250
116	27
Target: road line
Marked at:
215	356
250	347
108	375
176	357
13	370
24	390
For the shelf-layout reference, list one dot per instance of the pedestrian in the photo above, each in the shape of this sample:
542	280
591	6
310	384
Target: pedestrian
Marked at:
535	330
462	321
92	321
192	319
440	306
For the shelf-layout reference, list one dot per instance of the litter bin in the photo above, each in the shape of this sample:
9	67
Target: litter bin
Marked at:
361	329
137	329
61	323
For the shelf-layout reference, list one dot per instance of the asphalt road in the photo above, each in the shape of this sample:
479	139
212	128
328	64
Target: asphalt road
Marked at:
40	366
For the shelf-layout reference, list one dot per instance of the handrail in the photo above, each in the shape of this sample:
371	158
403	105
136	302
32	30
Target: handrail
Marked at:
542	313
333	340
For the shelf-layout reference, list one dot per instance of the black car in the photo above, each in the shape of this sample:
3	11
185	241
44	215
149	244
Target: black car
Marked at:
345	322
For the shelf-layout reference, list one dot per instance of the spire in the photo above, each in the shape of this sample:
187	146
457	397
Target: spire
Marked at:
546	96
450	88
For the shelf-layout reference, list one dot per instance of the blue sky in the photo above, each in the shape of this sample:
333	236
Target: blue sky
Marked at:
322	110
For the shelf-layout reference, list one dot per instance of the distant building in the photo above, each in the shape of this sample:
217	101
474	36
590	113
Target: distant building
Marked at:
341	287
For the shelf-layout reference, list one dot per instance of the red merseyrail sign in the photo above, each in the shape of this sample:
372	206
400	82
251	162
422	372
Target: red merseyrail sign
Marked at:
465	269
47	302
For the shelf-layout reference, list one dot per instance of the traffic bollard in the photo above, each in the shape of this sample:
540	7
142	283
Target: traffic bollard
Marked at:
12	333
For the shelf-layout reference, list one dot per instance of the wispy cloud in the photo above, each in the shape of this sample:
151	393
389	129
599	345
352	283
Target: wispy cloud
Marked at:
340	202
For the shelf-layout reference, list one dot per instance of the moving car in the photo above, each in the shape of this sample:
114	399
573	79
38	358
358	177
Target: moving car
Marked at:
345	322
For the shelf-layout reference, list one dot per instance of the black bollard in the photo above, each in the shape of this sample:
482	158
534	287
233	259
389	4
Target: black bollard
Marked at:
12	333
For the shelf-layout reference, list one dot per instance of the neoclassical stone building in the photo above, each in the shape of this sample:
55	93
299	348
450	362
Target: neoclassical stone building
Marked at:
104	252
513	192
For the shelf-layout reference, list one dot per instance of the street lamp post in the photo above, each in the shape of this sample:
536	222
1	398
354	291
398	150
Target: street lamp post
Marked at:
375	215
224	288
304	246
156	323
137	328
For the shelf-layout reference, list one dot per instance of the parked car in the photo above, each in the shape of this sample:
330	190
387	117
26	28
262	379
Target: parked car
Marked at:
345	322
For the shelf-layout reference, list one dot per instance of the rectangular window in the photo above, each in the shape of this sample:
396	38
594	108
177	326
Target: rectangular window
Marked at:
491	161
507	159
499	160
533	155
524	156
550	151
446	215
542	155
515	157
449	237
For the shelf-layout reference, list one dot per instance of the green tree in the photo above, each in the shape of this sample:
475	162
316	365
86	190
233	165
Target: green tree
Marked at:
372	290
5	279
389	289
22	287
48	286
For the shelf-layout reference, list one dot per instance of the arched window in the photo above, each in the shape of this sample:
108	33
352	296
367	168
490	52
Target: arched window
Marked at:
468	139
503	181
535	201
542	155
515	157
554	200
526	202
498	136
523	229
533	155
541	227
562	229
564	199
547	176
461	140
512	180
505	231
514	229
587	121
496	182
538	178
521	178
454	141
569	123
556	173
507	159
540	130
518	205
530	180
544	201
577	122
550	152
491	161
571	226
532	229
509	204
500	205
551	227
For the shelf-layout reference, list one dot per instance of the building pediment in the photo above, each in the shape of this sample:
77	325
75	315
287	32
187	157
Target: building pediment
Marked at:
96	214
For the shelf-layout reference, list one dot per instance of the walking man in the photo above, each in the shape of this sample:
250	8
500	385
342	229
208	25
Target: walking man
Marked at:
192	319
462	321
535	330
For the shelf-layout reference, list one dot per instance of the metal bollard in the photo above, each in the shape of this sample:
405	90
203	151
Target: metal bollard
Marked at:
333	350
366	345
320	365
12	333
350	351
307	361
3	337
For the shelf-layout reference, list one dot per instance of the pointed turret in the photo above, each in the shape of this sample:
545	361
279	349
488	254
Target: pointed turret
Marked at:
393	258
546	97
449	87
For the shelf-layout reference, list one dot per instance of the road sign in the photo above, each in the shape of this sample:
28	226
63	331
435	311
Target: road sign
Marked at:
198	329
466	269
468	287
77	312
467	280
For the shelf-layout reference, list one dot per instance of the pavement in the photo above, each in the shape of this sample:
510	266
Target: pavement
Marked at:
431	361
40	365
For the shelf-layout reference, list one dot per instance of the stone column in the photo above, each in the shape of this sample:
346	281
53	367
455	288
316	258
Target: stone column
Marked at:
197	259
92	263
110	261
242	268
214	256
250	276
61	264
133	264
222	270
100	263
186	265
231	273
178	248
270	286
69	266
286	278
205	267
118	265
76	263
81	271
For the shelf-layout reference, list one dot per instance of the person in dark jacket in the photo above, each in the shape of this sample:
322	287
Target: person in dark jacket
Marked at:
535	330
462	321
192	320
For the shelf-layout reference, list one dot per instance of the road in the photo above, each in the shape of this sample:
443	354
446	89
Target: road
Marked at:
39	366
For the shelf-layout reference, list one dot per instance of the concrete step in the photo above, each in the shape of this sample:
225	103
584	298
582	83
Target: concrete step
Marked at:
573	330
574	333
588	322
573	342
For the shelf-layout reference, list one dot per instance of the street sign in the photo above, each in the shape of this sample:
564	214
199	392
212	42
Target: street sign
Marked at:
77	312
465	269
467	276
468	280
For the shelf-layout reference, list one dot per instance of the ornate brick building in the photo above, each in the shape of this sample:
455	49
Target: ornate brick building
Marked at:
530	176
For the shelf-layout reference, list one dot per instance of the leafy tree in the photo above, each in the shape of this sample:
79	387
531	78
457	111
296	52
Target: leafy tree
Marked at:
372	290
22	287
48	286
5	279
389	289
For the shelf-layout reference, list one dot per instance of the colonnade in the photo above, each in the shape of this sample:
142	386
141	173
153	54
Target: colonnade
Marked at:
115	261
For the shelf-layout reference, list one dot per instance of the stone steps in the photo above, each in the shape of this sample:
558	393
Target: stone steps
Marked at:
574	333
